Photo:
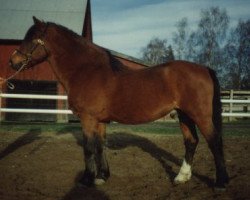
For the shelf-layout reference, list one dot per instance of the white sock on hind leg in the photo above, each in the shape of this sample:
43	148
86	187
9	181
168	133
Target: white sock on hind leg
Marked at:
184	173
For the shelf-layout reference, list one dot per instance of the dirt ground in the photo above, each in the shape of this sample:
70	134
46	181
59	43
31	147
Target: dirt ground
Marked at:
46	166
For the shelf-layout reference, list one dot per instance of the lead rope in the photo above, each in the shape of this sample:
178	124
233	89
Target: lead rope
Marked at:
7	80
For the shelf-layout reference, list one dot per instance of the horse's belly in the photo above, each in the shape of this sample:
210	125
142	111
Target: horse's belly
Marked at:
139	116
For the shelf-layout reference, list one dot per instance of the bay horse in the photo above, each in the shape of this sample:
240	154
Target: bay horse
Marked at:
101	89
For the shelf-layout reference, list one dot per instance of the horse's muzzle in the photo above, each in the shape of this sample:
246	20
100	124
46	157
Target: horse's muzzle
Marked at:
17	66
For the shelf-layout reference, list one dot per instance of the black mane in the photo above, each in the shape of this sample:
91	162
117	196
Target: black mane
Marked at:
69	31
115	64
33	29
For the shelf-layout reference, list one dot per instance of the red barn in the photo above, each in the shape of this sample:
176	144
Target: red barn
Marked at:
15	19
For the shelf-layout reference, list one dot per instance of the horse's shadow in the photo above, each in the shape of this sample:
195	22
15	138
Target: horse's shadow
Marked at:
83	192
121	140
25	139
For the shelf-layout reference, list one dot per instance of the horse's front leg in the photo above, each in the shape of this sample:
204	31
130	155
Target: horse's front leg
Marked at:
101	162
95	161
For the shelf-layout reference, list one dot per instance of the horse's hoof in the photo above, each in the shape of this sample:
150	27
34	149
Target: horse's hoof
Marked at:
80	185
178	182
84	184
220	189
86	180
99	181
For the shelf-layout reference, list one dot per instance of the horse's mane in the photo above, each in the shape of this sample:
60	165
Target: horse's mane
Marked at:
67	30
33	29
114	63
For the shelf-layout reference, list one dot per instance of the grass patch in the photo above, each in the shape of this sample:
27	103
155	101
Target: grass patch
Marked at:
154	127
43	127
230	129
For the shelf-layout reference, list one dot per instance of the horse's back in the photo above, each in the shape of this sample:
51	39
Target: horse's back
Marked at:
139	96
150	93
185	69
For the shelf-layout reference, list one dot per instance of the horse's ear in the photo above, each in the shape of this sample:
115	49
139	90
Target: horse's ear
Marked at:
37	22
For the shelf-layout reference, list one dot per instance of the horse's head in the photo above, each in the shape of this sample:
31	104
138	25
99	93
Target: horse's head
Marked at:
33	48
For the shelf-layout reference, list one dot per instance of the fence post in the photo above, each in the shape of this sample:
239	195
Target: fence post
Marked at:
1	87
245	108
231	104
61	105
0	105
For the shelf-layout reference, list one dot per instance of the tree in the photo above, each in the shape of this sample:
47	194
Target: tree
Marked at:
211	34
157	52
203	45
211	45
170	54
193	49
237	56
180	39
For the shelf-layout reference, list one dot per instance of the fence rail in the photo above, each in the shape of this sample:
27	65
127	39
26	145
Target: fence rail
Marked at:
38	111
64	97
34	96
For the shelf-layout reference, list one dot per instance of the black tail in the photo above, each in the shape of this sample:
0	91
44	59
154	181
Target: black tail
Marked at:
217	106
216	145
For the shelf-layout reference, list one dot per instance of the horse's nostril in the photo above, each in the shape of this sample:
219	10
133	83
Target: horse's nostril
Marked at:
10	63
13	65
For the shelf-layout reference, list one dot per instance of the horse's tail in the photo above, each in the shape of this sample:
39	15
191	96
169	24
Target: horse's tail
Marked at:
217	106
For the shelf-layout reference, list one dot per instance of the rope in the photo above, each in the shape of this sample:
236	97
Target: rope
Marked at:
6	81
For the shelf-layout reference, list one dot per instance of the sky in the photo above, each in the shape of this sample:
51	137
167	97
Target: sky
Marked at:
128	25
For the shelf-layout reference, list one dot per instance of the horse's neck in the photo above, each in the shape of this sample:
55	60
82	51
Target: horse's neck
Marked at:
79	57
59	58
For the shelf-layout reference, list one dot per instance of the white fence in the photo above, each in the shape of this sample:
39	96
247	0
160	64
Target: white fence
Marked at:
63	97
34	96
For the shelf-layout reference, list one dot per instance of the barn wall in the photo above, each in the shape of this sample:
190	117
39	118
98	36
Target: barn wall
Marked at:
5	53
41	72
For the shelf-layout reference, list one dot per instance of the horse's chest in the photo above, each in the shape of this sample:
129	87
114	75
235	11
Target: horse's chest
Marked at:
91	103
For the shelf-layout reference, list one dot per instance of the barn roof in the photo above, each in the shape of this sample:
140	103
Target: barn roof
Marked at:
130	58
16	15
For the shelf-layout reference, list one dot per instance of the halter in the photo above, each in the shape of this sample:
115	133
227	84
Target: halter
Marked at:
28	56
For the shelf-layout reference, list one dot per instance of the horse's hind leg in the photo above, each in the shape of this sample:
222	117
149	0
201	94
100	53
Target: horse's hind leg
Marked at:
214	140
190	140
